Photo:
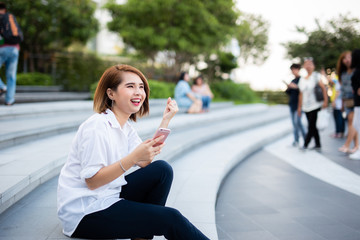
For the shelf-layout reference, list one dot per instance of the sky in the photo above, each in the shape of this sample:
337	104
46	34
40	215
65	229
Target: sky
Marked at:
284	16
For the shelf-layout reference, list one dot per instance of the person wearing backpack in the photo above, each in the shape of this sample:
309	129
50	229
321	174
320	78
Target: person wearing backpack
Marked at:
10	38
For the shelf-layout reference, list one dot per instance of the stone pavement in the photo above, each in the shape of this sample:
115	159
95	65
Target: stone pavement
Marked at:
283	193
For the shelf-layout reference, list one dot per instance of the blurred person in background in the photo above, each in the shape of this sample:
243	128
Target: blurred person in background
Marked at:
293	92
185	98
308	102
201	88
9	52
345	72
355	83
336	104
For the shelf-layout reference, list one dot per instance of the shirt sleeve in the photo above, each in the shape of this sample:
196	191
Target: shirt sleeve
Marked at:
93	148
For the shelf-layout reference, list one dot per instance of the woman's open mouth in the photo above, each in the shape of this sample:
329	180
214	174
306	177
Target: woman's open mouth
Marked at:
136	101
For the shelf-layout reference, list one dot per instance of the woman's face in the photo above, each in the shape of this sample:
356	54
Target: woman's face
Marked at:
186	77
309	66
129	95
347	60
199	81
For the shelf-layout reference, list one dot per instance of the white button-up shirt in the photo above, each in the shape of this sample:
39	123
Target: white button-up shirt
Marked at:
99	142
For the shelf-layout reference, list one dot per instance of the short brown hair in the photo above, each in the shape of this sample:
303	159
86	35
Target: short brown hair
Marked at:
112	78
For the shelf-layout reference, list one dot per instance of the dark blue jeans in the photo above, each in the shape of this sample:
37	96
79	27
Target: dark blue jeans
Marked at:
206	102
142	214
339	121
297	125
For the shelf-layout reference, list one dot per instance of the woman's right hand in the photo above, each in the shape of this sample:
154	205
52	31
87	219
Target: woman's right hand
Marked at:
144	154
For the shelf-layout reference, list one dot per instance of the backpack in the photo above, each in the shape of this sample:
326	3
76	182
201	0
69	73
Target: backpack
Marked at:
10	29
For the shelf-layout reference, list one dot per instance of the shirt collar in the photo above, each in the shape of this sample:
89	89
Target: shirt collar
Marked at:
111	118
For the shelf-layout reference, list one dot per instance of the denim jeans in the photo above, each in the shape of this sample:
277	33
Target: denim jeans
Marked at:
206	102
297	125
9	56
339	121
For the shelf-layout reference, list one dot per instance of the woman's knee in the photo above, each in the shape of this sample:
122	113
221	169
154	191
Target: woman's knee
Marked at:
164	168
175	217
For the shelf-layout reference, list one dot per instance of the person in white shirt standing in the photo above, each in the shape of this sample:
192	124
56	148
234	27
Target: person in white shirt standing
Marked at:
308	103
96	199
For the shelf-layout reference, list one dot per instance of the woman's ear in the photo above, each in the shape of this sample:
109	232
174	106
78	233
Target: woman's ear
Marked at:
110	93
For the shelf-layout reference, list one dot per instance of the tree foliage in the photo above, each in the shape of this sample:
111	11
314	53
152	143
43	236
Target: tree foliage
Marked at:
327	42
50	25
187	27
189	30
252	35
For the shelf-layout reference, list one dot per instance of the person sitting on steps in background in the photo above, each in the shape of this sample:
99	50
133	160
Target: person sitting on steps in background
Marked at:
186	99
203	90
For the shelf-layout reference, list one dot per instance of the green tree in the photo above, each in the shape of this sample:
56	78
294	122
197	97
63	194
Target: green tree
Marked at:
186	28
327	42
51	25
252	35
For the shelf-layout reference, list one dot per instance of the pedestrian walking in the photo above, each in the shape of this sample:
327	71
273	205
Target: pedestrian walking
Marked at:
11	36
336	104
345	72
355	83
293	92
309	103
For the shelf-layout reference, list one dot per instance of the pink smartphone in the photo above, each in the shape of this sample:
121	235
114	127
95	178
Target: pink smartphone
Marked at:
159	132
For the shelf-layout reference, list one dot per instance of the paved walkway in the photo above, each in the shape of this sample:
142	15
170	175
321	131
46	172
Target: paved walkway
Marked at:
283	193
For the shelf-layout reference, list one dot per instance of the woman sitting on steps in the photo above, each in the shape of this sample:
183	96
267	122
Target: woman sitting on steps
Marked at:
96	199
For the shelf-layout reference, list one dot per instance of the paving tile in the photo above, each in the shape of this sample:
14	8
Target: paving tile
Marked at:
253	235
337	231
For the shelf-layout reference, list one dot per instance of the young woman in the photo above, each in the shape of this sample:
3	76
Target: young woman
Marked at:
204	91
307	101
96	199
355	83
186	99
345	72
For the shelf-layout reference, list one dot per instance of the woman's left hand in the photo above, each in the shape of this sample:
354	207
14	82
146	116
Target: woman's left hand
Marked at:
170	110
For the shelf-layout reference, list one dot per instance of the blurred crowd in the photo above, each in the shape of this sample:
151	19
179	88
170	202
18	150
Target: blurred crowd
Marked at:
315	93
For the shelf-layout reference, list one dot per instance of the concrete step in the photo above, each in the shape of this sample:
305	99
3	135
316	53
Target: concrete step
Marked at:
27	110
32	89
26	97
24	167
198	173
46	121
